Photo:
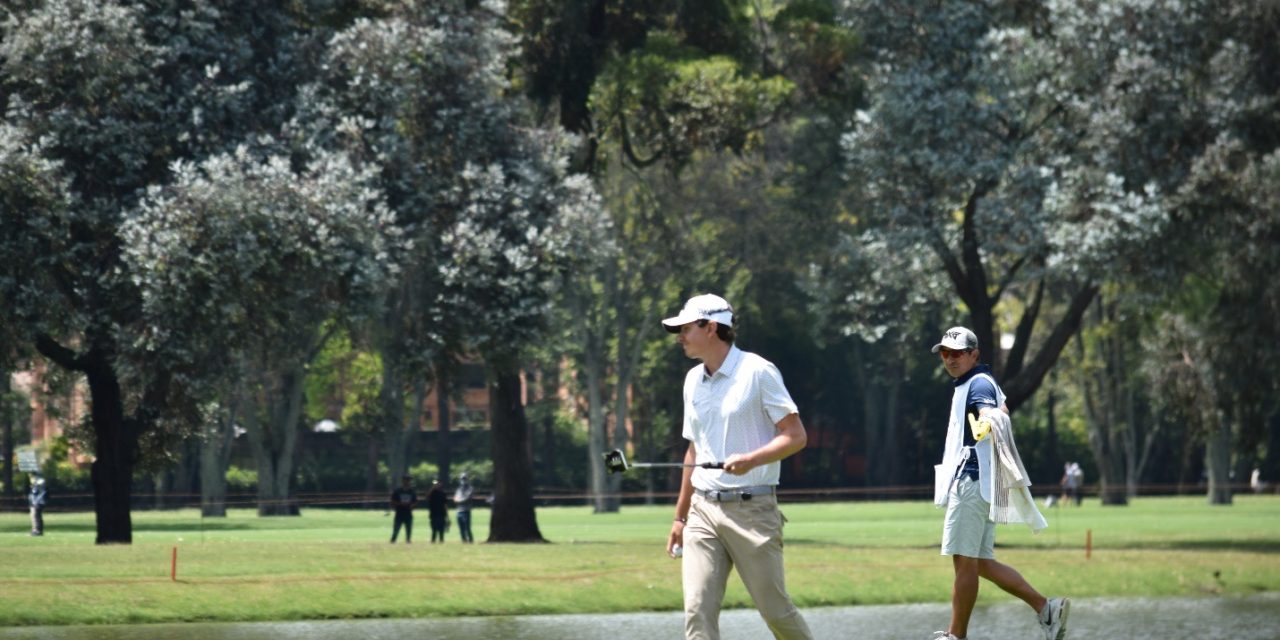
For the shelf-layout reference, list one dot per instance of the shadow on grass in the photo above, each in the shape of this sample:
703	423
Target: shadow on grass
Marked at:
79	527
1249	546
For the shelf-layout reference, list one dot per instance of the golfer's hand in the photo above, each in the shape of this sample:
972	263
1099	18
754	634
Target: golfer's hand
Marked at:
981	428
676	537
738	464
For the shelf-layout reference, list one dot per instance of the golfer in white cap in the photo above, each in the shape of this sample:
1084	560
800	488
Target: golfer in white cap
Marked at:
736	411
970	478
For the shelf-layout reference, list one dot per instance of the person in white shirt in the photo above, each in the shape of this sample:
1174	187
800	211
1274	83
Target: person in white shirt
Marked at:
736	411
462	506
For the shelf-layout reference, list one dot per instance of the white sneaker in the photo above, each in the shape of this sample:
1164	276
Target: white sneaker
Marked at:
943	635
1053	619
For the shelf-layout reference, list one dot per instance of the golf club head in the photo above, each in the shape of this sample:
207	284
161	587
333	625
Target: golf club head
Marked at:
615	461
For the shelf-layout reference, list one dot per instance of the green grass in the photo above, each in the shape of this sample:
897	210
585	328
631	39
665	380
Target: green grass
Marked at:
337	563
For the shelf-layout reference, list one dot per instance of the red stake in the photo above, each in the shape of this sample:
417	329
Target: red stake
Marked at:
173	566
1088	544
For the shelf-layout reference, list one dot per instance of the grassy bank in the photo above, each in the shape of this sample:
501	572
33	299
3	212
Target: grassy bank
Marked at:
337	563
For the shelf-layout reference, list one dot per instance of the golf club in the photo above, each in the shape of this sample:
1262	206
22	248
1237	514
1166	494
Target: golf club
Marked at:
616	461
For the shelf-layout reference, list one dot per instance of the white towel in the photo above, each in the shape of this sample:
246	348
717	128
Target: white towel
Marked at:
1011	499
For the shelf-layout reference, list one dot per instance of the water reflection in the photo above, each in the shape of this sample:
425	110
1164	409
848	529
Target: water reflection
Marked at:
1249	618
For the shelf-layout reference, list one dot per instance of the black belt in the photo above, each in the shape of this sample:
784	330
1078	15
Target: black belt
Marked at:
741	493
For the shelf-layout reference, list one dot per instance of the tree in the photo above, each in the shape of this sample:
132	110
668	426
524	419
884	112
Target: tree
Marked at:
1184	89
529	224
101	99
1122	432
343	384
655	89
875	302
490	211
259	257
967	155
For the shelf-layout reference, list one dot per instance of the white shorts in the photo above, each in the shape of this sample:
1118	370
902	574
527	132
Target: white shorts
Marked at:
968	530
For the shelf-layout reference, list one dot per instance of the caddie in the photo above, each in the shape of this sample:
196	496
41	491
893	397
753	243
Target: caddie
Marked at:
982	481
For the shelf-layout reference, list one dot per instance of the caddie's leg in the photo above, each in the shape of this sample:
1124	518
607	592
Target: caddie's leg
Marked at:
753	535
964	593
1008	578
968	535
705	571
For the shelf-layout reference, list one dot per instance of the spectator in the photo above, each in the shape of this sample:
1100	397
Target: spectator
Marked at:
462	502
438	509
37	498
403	500
1072	475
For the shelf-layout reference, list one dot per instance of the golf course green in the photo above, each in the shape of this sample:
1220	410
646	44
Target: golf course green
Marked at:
338	564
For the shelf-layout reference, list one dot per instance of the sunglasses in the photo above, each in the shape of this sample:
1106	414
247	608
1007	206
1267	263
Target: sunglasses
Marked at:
952	353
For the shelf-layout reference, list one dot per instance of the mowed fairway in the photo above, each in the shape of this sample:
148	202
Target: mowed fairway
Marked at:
338	564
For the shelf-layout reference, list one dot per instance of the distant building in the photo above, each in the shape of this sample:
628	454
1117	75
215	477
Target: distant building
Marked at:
51	411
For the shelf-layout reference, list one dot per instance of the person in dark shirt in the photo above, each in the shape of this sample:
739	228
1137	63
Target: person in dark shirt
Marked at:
402	501
437	507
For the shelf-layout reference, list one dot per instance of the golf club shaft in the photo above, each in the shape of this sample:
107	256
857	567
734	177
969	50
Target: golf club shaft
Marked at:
705	465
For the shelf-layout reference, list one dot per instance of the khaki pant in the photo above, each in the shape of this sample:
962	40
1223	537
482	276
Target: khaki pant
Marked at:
744	534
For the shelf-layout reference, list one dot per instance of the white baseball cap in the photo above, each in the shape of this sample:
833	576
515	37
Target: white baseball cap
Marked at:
958	339
707	306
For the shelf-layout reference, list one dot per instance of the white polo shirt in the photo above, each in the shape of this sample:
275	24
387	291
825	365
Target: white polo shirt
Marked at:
735	410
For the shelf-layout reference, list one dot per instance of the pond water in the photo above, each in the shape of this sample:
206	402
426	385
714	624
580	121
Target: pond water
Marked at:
1209	618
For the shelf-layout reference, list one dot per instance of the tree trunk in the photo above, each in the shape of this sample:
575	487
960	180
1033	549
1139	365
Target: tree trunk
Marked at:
185	475
621	438
513	519
891	469
597	434
1217	462
371	452
1105	428
550	391
880	426
1053	460
115	438
444	444
215	456
115	451
871	413
275	442
391	397
1271	463
871	421
1139	442
8	415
